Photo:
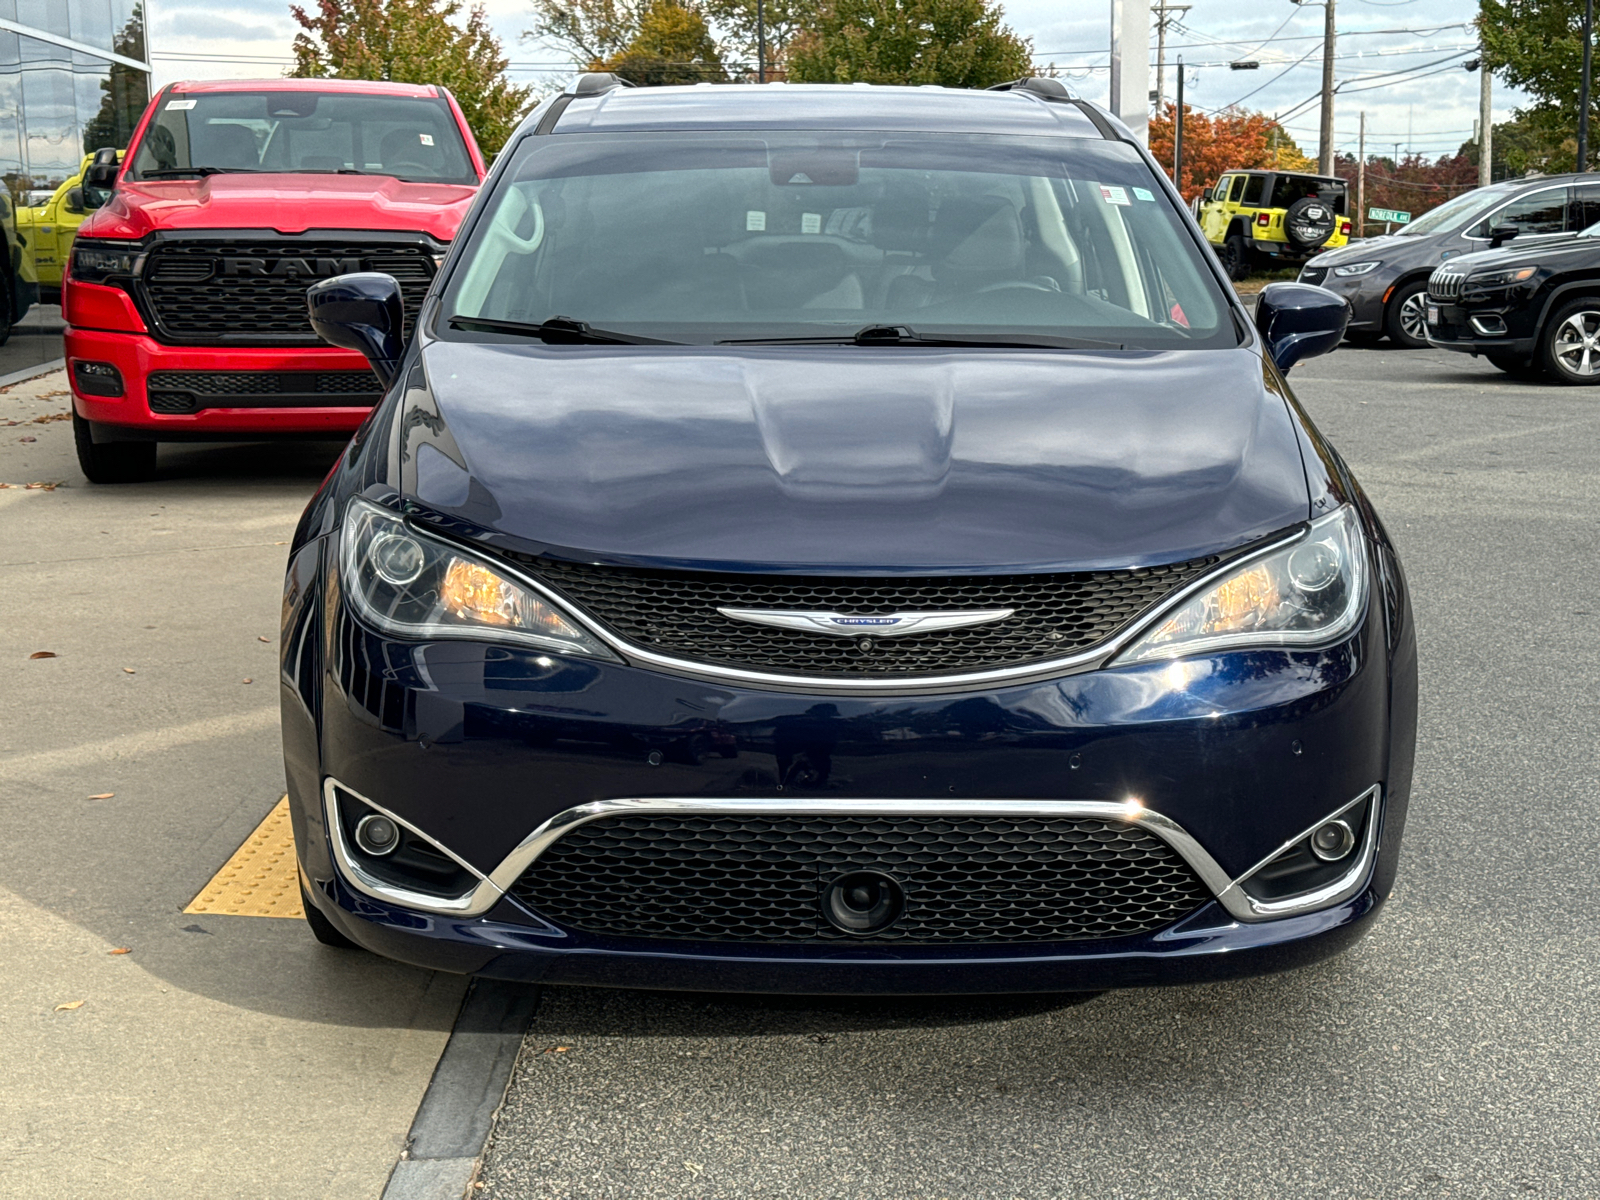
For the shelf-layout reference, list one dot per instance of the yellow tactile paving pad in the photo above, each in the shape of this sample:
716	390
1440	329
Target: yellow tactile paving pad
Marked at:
261	879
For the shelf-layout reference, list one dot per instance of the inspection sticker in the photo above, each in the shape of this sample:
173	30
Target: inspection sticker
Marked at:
755	222
1144	193
810	222
425	138
179	105
1114	195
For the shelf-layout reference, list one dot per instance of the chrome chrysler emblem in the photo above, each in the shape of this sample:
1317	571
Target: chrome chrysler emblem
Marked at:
884	625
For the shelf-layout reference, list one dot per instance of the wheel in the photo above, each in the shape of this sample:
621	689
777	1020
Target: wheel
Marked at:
321	928
1569	345
1516	364
112	462
1235	255
1406	318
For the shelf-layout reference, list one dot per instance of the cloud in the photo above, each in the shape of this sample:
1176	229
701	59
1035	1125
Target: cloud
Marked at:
177	27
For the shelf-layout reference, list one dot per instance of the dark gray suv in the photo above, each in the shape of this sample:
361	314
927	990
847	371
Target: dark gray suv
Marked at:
1385	279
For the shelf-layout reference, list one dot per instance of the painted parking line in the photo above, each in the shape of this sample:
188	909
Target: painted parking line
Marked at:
261	879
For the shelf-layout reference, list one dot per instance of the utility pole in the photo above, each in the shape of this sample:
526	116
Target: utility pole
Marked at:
1361	179
761	42
1325	147
1583	87
1485	122
1161	8
1177	134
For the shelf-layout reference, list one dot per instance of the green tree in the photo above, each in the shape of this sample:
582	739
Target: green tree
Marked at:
127	91
1537	45
588	30
955	43
672	46
783	20
414	41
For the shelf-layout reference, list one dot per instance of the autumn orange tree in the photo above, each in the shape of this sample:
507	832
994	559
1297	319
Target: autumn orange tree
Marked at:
1230	140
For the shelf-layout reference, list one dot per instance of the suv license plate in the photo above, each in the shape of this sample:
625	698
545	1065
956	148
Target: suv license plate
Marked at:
1433	314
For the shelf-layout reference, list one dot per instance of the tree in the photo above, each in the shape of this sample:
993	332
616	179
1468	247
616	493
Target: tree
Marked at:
1523	146
673	46
954	43
1232	140
588	30
1537	45
414	41
1412	184
781	19
127	91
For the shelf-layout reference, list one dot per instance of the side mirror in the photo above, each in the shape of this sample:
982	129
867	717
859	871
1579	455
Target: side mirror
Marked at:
73	200
363	312
1501	234
99	177
1299	321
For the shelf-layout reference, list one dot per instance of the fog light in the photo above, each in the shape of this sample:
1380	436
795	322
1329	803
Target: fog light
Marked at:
1333	841
377	835
97	378
1489	326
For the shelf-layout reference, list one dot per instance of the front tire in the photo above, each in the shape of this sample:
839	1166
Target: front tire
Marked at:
112	462
1516	365
1406	319
321	928
1235	255
1569	344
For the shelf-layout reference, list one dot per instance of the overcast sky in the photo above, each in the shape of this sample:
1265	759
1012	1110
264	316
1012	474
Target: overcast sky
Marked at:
1384	48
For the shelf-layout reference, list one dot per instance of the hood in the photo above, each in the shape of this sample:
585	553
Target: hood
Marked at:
287	203
1555	253
852	459
1358	251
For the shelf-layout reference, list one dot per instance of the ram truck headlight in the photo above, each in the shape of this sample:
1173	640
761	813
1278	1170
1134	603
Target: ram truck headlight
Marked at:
1360	268
407	583
1491	279
102	261
1312	591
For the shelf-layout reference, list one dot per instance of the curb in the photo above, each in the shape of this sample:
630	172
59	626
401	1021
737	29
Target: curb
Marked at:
469	1084
32	372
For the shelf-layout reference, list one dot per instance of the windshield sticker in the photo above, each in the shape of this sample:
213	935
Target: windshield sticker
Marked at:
1114	195
755	222
1144	193
179	105
810	222
425	138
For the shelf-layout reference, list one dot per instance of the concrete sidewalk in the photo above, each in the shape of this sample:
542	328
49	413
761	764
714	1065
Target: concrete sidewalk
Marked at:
220	1056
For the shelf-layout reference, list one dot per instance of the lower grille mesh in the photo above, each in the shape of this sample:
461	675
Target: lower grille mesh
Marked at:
760	878
189	391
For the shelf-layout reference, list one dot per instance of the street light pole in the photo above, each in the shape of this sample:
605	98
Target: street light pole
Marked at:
761	42
1177	134
1583	88
1361	180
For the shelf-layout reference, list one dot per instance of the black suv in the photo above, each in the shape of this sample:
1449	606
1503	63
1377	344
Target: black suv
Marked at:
1526	308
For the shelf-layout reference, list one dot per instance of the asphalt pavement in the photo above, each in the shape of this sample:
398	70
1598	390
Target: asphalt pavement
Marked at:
1452	1053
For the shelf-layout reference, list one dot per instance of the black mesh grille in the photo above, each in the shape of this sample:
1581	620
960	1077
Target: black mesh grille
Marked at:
195	298
675	613
760	879
187	391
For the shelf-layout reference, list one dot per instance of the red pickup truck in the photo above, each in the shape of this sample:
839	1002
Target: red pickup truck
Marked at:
184	297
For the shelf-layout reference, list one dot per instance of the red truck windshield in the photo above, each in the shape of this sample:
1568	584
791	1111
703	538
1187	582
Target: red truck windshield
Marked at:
411	138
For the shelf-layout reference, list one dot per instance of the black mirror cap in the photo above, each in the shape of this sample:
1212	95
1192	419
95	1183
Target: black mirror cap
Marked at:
101	173
365	312
1299	321
73	200
1499	235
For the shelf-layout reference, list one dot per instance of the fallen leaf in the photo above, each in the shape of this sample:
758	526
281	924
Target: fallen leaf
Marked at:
248	681
261	639
4	485
556	1049
71	1006
120	950
103	796
44	654
48	417
41	485
129	671
28	439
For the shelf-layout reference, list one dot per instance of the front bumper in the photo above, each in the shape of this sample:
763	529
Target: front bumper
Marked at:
478	747
1363	293
1453	330
137	355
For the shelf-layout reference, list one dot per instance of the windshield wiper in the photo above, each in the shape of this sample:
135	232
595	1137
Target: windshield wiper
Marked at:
904	335
175	172
558	331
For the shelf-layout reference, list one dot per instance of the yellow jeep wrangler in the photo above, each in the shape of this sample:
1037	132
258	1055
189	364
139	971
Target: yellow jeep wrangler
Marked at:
47	230
1270	219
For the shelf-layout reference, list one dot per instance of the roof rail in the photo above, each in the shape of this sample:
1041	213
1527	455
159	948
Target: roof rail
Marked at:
1039	85
593	83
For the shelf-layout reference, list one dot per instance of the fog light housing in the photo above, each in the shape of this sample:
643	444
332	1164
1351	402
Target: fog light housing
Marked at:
1333	841
377	835
1489	325
97	378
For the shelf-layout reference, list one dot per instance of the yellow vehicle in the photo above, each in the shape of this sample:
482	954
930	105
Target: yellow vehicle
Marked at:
46	231
1269	219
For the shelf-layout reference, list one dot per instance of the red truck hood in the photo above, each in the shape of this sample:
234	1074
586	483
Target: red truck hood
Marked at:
286	203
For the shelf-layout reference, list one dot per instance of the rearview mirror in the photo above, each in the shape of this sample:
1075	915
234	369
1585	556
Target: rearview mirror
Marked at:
363	312
1299	321
1501	234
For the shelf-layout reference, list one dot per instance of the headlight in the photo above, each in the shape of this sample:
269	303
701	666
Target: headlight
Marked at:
1500	278
98	262
407	583
1311	591
1357	269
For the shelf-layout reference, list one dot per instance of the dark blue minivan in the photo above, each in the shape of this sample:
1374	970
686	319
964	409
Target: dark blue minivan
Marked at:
841	539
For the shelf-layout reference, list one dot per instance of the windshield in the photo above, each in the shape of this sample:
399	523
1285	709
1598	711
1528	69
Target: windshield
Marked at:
705	238
1291	189
1457	212
412	138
